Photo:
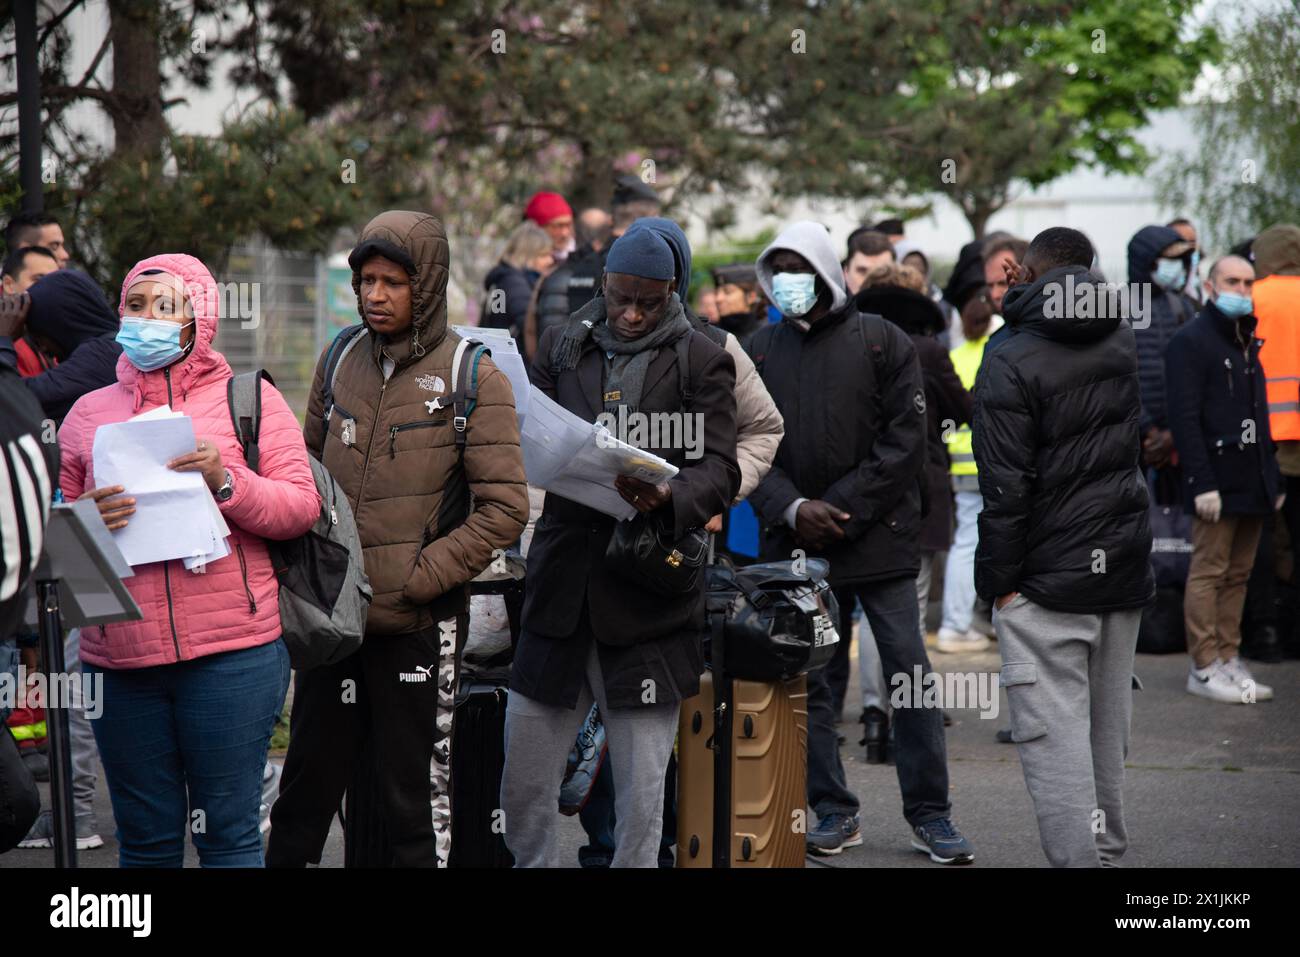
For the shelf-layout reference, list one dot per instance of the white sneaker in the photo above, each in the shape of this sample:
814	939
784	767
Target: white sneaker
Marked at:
270	791
1215	683
42	834
1252	690
954	642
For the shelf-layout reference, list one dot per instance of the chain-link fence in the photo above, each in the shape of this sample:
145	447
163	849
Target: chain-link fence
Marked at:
285	334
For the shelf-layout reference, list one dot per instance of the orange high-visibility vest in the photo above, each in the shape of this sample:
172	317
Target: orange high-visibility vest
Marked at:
1277	307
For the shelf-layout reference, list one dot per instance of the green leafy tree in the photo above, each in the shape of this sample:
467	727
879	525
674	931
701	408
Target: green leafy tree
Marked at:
1242	178
985	95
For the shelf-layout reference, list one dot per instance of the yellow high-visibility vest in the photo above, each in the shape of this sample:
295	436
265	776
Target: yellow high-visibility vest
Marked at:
966	360
28	732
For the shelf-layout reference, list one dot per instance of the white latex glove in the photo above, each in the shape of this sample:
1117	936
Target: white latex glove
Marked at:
1208	506
1281	500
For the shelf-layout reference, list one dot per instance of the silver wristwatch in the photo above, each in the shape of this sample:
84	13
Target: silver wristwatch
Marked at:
224	493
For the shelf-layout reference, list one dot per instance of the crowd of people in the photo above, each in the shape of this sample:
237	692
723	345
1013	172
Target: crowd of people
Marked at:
1012	435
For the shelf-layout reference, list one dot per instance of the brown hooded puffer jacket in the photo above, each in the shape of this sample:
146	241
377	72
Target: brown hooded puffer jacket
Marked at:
427	524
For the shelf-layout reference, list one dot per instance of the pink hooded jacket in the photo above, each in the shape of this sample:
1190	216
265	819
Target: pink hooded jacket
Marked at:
234	603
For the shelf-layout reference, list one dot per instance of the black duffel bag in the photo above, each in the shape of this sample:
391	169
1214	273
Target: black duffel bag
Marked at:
771	621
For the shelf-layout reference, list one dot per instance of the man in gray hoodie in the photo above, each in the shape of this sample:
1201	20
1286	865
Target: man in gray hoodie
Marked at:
846	486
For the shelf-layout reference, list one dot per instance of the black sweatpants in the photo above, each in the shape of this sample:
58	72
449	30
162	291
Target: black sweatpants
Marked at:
397	694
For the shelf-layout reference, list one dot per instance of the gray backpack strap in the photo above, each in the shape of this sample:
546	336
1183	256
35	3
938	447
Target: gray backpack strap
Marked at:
244	399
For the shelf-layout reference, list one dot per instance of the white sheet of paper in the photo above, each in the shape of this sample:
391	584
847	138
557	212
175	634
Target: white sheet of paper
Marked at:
220	540
172	519
579	460
551	437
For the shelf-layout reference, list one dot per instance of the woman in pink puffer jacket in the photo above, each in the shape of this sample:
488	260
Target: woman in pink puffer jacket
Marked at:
191	692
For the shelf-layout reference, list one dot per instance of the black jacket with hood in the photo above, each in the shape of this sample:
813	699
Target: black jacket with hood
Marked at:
1055	432
1169	310
947	402
855	426
70	310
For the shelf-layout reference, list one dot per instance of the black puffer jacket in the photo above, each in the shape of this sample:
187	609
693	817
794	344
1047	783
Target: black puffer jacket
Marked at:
1056	440
855	436
1169	310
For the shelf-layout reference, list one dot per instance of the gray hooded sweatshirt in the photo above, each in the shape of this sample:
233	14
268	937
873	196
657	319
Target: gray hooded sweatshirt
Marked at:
811	241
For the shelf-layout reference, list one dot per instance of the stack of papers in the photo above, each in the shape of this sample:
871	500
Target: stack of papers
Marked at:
563	453
505	354
175	513
580	460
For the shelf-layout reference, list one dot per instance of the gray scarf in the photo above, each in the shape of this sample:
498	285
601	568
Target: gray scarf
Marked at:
632	357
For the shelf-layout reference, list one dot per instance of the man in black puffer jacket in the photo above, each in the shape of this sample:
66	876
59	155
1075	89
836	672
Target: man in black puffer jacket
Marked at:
1064	542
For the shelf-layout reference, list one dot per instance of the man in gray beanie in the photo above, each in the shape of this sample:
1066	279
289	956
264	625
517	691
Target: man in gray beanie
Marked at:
591	632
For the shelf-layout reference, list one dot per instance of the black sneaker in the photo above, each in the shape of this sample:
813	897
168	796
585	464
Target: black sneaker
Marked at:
876	734
943	842
834	833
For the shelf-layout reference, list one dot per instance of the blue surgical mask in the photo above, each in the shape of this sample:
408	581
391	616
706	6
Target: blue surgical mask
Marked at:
795	293
1232	305
1169	273
150	343
1196	261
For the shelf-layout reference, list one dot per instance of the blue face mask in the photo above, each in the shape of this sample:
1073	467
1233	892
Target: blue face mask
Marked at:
1232	305
1169	273
1196	261
795	293
150	343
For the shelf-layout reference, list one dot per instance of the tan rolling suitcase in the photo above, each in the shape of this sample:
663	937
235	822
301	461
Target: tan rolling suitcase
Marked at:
741	772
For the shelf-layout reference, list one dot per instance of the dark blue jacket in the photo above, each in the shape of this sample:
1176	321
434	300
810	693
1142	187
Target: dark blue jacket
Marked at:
517	286
1169	310
1219	414
69	310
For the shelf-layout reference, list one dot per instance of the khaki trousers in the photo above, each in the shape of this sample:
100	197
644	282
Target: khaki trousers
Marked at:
1222	555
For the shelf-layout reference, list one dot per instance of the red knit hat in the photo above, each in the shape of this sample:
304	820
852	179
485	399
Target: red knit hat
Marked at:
544	207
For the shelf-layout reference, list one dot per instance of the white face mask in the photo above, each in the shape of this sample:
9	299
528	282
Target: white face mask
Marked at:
795	293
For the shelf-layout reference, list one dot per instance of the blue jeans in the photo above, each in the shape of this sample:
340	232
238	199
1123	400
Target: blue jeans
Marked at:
959	574
890	607
184	748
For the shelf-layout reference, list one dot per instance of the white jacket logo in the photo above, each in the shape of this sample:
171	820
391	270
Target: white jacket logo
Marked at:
421	673
431	383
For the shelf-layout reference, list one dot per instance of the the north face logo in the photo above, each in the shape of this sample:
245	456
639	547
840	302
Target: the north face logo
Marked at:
431	383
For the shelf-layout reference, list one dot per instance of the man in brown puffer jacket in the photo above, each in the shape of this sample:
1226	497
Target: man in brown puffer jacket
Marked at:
430	514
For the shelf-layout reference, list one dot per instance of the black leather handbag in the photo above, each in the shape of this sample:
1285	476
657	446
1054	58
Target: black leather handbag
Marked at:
642	551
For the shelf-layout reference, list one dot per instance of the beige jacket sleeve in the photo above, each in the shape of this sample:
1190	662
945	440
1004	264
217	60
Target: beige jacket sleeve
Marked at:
759	426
